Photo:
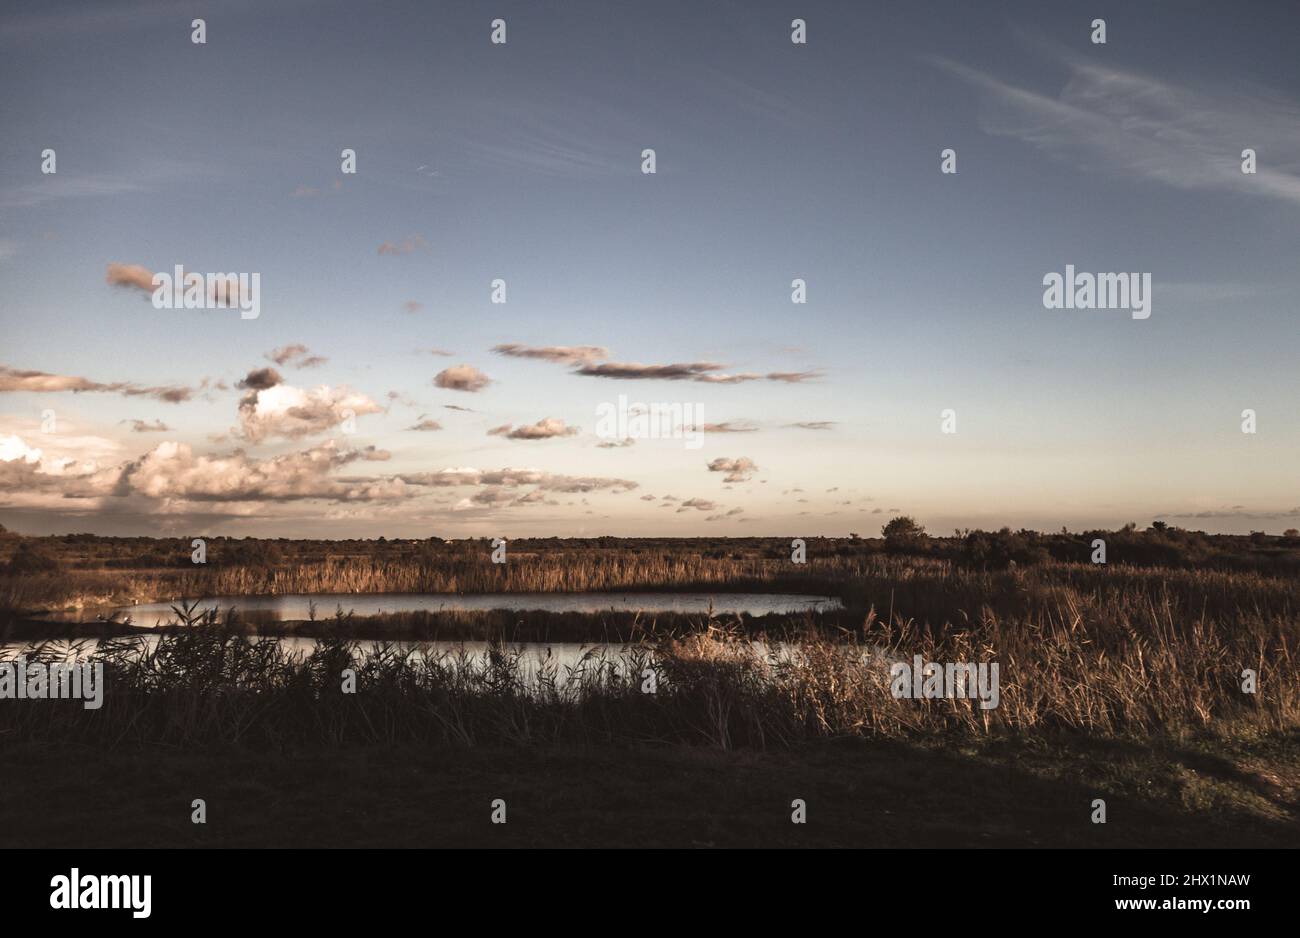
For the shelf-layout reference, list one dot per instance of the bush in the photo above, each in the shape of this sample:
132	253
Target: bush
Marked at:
31	559
904	536
1000	549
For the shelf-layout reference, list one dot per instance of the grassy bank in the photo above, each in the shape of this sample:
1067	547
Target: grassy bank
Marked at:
1026	793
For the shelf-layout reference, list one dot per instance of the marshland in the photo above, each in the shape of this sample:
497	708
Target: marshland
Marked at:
1128	680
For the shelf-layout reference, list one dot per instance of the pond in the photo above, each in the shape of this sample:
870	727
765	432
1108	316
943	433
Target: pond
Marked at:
299	607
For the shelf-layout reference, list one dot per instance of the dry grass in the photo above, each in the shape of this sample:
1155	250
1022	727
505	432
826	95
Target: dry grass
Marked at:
1132	668
1099	651
569	571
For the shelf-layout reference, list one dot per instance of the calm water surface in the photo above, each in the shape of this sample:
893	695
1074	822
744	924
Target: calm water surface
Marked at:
532	655
298	606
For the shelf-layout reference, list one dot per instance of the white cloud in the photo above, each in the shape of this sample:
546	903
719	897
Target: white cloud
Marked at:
13	448
290	412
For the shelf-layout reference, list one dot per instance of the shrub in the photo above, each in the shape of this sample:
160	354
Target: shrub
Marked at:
998	550
30	559
903	535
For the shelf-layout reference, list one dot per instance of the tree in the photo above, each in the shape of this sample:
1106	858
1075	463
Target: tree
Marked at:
903	534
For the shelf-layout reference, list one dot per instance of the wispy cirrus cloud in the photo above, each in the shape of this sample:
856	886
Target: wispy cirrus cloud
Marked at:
59	186
1105	118
552	135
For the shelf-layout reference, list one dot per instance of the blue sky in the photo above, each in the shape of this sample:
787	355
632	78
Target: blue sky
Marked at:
775	161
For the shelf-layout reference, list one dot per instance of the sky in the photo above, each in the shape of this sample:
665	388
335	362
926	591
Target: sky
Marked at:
380	390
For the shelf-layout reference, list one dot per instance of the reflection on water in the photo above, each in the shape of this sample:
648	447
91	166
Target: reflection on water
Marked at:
298	607
561	657
565	660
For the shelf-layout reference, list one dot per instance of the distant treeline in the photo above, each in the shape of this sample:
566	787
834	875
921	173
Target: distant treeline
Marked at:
1159	545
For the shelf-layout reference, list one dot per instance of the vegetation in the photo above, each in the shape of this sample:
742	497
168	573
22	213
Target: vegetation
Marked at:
904	536
93	572
1124	679
1121	663
29	559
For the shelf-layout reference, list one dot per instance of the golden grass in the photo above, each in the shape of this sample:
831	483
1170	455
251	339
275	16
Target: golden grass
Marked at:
1120	670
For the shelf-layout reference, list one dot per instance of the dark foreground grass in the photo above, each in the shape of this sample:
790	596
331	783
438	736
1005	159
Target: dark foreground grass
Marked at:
1009	793
714	758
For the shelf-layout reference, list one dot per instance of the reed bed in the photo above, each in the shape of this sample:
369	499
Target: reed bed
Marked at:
558	572
928	591
1133	667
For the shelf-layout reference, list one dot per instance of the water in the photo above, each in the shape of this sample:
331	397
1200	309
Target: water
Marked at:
564	662
297	607
532	655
